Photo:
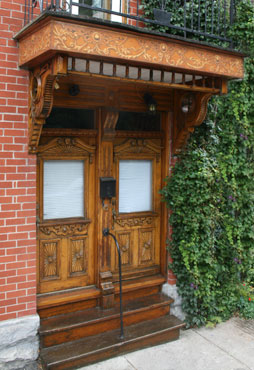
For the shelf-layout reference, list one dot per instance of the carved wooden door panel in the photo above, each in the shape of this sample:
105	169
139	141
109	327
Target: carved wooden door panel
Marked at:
137	214
65	217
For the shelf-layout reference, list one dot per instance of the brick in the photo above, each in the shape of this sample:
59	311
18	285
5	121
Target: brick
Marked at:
5	184
16	307
7	229
14	132
17	236
27	198
8	288
26	257
15	176
16	279
8	316
16	221
6	259
21	140
10	5
30	299
15	191
7	215
7	273
6	140
26	271
16	294
26	313
14	251
5	200
18	102
16	265
13	147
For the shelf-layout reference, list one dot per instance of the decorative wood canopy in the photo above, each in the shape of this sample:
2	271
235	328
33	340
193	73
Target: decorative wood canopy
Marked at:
52	35
57	49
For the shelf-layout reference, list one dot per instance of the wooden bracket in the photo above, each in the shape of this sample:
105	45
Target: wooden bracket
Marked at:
186	121
109	124
42	84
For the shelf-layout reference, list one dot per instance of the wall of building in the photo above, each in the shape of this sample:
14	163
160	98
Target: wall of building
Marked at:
17	176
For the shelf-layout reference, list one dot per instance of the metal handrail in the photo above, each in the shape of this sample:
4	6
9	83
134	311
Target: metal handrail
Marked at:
106	233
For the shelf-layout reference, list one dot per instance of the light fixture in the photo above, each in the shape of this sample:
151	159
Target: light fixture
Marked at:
74	90
57	86
150	102
188	103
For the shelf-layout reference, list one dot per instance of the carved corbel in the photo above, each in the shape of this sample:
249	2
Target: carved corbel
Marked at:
109	125
42	83
190	111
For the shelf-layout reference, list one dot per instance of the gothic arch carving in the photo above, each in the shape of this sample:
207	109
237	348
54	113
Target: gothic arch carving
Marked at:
141	146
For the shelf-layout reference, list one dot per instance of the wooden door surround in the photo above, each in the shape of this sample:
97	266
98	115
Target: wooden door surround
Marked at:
76	264
73	255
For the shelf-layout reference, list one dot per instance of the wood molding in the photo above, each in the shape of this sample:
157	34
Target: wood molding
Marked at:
65	146
65	229
185	123
53	35
138	146
41	87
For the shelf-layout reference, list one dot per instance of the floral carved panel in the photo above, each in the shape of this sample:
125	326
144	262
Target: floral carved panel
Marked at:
49	260
124	240
67	37
78	256
146	246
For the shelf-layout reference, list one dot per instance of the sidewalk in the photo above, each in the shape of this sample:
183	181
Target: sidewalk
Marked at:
230	346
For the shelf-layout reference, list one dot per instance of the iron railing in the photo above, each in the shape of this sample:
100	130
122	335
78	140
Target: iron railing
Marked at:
203	20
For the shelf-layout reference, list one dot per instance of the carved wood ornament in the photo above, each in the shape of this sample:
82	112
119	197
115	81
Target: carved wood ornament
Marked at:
65	146
186	121
138	146
42	84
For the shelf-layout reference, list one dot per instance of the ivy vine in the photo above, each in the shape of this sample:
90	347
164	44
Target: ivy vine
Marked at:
211	198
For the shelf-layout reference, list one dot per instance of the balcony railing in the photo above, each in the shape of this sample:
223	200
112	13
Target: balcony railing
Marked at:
201	20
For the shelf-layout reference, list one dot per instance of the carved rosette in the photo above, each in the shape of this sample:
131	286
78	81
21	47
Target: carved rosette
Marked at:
65	230
146	245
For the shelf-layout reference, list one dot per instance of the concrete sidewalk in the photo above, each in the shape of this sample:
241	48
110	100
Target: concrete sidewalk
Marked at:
229	346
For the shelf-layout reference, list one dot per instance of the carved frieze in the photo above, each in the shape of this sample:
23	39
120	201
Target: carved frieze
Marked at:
135	221
142	146
65	229
101	42
66	146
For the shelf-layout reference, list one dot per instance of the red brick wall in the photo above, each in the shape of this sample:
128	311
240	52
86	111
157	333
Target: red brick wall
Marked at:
17	176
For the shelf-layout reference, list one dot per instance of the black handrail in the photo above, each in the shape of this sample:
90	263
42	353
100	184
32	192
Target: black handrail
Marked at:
106	233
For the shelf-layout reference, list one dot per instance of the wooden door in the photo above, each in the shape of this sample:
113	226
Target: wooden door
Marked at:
65	220
137	213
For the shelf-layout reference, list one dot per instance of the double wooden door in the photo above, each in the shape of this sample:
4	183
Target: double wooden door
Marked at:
70	212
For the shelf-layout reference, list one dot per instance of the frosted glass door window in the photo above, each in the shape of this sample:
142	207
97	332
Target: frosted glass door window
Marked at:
135	186
63	189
